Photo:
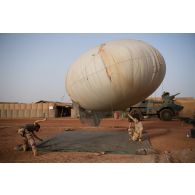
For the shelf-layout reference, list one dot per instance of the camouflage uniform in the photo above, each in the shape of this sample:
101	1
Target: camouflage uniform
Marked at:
131	130
28	139
137	135
135	131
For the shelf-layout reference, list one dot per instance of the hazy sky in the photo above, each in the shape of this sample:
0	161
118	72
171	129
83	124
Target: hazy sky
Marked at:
33	66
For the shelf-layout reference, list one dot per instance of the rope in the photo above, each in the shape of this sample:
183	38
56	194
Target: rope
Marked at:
162	87
112	109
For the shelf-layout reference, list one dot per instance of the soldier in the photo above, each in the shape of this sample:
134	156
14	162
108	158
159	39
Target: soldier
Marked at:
165	96
131	128
135	130
28	135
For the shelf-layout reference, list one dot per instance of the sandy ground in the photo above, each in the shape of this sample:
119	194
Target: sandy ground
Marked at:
168	138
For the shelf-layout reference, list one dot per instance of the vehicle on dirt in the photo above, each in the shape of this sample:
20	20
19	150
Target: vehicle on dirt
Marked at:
166	109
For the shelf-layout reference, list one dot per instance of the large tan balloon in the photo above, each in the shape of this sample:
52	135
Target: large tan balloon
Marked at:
115	75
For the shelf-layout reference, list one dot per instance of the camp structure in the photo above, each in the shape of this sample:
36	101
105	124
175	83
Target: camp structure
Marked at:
34	110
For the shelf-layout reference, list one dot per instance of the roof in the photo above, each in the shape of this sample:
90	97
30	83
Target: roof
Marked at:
9	103
56	103
66	104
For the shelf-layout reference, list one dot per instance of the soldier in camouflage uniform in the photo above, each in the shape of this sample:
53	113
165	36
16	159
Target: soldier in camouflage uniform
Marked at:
28	135
135	129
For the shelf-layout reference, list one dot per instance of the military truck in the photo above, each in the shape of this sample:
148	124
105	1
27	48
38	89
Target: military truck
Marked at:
166	108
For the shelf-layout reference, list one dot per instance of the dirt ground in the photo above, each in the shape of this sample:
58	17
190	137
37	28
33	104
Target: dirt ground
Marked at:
167	138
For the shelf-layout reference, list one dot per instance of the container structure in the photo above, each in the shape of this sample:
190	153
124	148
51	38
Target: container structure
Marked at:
39	109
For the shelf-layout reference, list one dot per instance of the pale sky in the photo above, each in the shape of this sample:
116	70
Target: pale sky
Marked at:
33	66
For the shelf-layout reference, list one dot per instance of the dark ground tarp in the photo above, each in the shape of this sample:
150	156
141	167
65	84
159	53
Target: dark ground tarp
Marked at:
115	141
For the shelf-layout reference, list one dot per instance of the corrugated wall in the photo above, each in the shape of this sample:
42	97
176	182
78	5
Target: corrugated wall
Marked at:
34	110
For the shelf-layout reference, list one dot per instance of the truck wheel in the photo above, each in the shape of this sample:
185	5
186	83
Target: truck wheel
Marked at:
166	115
135	112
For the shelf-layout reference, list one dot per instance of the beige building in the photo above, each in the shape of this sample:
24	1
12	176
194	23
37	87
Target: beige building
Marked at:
34	110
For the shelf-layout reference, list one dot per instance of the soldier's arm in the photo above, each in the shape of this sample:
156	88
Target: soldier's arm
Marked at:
35	136
134	120
38	121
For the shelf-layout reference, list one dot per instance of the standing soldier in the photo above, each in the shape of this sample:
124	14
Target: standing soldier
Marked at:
28	135
135	129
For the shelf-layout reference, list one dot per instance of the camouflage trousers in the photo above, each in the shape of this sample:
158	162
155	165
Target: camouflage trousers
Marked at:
133	135
28	139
